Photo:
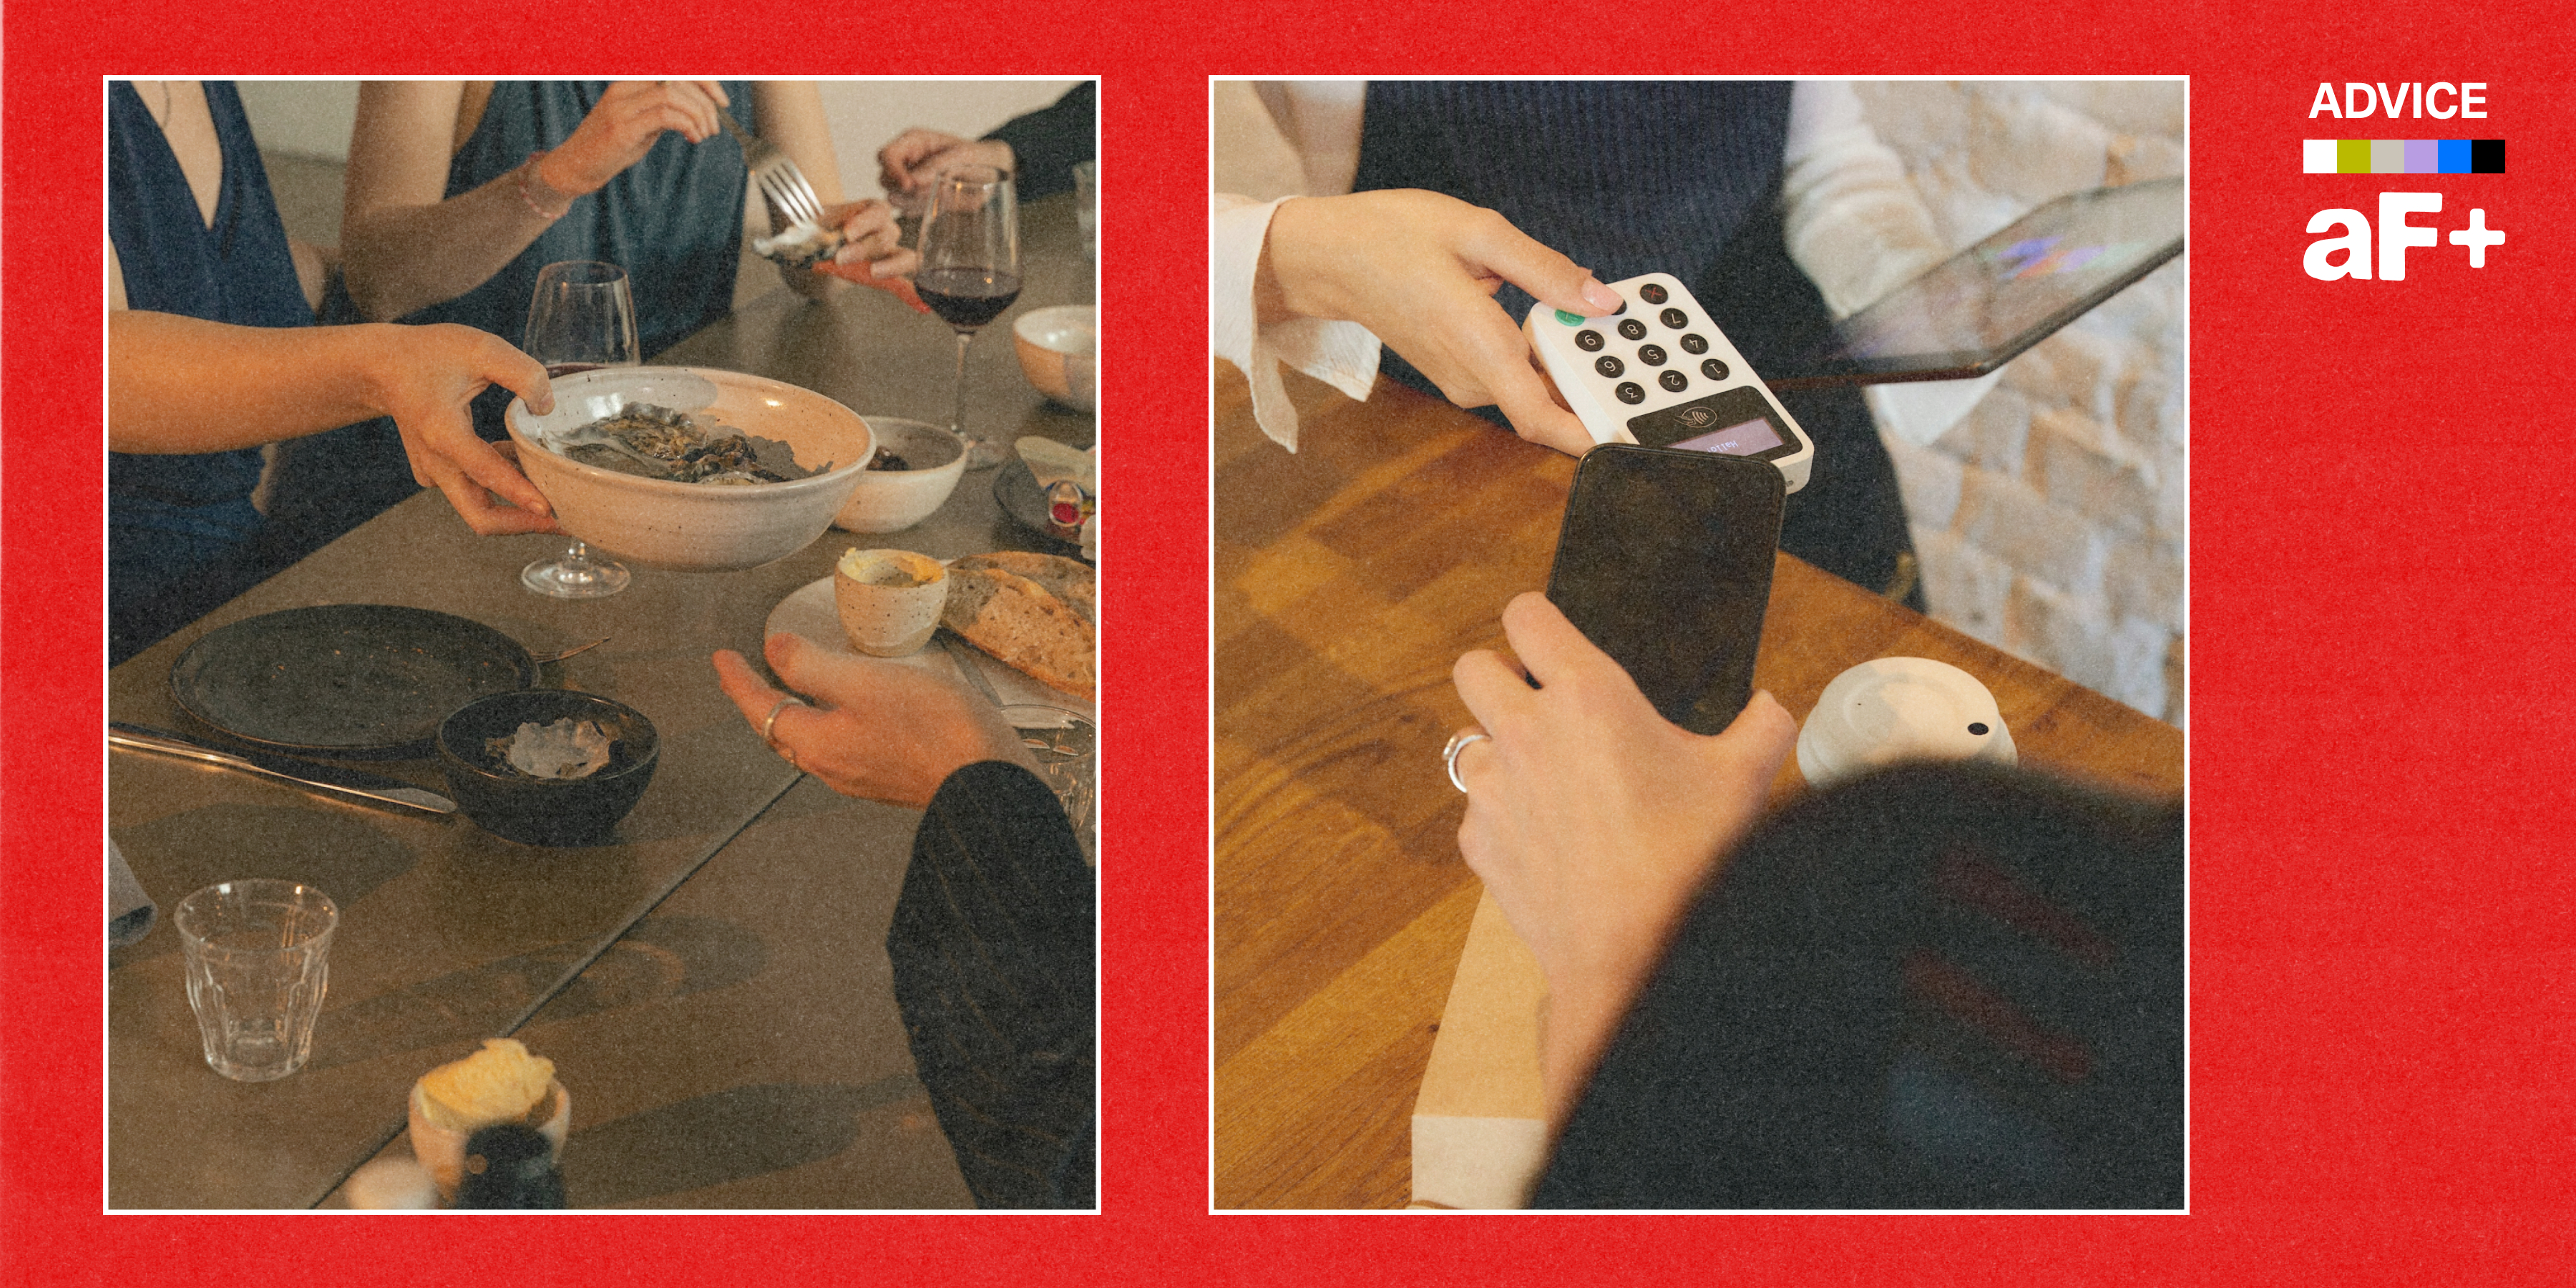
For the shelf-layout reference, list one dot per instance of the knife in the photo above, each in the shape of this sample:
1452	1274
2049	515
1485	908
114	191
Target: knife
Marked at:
963	655
335	779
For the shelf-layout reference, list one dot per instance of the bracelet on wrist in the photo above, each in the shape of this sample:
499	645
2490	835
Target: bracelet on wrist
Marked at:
541	196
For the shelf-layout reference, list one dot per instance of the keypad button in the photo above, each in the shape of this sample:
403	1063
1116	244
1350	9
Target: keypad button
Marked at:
1694	344
1570	319
1675	318
1631	392
1652	355
1674	381
1608	366
1633	329
1591	341
1653	294
1713	369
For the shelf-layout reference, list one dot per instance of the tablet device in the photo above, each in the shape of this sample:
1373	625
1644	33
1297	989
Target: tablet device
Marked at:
1979	308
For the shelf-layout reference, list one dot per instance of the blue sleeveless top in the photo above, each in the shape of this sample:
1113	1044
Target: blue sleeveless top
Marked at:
673	221
1626	177
238	270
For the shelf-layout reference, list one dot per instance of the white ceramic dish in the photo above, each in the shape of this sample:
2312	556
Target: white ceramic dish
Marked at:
695	527
813	613
893	500
1059	350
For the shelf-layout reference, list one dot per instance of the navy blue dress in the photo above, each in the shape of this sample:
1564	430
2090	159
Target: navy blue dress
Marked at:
1632	177
673	221
182	535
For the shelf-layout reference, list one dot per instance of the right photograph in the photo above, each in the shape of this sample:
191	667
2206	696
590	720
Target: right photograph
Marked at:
1699	644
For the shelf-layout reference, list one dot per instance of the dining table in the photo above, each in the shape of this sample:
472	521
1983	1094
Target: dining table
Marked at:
1348	577
711	981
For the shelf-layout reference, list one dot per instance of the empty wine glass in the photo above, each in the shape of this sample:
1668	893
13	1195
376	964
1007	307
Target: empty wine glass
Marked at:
970	271
582	318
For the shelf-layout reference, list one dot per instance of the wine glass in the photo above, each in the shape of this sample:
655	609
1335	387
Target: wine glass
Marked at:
970	270
582	318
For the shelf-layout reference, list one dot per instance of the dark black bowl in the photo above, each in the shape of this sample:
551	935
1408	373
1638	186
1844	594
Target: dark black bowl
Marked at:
545	811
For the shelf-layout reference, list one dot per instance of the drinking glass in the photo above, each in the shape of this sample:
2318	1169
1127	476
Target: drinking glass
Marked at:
258	959
970	271
581	318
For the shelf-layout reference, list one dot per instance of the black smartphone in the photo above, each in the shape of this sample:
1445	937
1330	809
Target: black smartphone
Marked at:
1664	562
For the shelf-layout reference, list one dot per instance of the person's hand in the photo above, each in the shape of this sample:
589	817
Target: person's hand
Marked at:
879	730
1592	819
426	378
871	254
1419	270
917	154
623	125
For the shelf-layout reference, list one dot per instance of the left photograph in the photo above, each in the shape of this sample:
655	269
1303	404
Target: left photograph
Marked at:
602	699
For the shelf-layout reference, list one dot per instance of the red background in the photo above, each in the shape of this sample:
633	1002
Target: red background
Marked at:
2383	568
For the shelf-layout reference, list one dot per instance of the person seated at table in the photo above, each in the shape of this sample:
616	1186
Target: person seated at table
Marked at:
460	192
992	942
1437	209
1938	986
212	353
1037	149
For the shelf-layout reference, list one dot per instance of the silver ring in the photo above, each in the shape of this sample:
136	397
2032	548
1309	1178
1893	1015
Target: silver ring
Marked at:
771	721
1458	743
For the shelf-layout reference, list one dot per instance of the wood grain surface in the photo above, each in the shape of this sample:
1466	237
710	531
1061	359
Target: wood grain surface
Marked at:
1349	576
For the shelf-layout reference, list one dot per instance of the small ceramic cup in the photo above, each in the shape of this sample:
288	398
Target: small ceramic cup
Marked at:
442	1151
1894	709
889	600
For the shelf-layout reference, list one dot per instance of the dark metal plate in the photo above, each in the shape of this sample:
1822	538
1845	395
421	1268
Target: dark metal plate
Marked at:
365	680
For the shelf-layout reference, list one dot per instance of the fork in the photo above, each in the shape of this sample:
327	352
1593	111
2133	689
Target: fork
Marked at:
780	182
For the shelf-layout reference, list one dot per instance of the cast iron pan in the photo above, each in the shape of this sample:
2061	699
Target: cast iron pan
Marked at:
370	681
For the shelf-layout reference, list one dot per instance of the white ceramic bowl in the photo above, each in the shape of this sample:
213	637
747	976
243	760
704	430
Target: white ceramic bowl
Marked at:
892	500
695	527
1059	350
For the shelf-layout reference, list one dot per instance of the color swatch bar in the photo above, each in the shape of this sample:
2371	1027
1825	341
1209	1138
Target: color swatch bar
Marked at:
2402	156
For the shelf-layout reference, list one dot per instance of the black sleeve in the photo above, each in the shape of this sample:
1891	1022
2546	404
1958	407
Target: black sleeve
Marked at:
1048	143
1937	987
992	947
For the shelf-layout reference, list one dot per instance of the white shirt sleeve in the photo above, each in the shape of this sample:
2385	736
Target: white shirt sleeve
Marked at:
1341	354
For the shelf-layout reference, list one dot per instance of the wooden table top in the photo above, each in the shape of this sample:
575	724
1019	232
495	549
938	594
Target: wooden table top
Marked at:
1349	576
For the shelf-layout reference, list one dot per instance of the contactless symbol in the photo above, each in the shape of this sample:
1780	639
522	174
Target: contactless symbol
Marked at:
1698	417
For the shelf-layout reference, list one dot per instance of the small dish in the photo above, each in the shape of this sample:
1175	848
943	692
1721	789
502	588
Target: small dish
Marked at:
893	500
545	811
1059	350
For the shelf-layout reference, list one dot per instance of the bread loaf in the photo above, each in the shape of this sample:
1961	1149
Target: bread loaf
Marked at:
1021	621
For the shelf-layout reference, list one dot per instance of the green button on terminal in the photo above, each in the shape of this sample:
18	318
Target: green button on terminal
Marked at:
1570	319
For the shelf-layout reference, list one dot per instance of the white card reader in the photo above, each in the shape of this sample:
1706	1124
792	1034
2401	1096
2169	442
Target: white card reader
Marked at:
1659	373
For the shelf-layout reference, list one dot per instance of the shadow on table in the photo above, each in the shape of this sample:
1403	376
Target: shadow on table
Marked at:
729	1135
344	856
660	959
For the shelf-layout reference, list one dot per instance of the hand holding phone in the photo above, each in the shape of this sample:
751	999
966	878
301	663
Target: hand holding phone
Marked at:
1664	562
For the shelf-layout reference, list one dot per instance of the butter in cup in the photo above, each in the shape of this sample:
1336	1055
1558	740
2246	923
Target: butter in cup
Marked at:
889	600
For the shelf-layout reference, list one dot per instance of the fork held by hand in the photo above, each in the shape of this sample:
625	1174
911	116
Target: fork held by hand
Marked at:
775	173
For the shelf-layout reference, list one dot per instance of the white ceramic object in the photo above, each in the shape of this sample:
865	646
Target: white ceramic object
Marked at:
443	1151
695	527
889	600
1894	709
893	500
1059	352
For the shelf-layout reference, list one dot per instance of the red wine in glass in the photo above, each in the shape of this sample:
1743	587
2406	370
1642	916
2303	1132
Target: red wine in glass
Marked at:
970	272
967	298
